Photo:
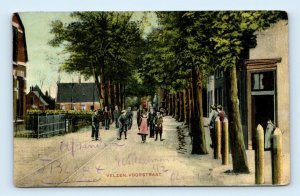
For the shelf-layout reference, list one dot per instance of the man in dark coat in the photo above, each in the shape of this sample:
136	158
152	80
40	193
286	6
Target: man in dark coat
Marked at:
158	121
95	125
116	115
129	115
151	122
211	123
123	124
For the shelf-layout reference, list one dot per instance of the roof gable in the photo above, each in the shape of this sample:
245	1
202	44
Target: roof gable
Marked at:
77	92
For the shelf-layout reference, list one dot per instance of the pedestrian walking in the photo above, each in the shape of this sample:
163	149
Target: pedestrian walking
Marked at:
158	123
116	115
129	115
211	124
107	117
151	122
143	128
123	122
95	125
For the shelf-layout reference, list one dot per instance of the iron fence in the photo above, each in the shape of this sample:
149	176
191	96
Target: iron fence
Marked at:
47	125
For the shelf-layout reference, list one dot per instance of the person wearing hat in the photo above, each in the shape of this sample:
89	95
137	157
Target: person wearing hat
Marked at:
123	124
211	123
107	117
95	125
158	121
129	116
151	122
116	114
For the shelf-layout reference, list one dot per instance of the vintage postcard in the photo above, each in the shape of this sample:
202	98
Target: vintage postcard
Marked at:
151	98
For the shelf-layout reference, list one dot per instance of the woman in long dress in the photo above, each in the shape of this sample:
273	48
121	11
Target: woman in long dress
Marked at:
143	128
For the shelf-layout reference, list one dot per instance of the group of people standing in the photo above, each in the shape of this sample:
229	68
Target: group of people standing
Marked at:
122	119
149	121
216	111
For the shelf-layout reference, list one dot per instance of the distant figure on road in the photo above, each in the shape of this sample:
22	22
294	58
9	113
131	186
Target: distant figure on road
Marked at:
211	124
129	116
158	121
123	122
107	117
151	122
116	115
95	125
143	128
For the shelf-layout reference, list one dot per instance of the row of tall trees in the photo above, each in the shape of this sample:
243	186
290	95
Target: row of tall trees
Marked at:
188	47
177	57
102	45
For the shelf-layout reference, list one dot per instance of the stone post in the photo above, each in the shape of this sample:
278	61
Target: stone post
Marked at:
225	143
259	156
217	147
277	157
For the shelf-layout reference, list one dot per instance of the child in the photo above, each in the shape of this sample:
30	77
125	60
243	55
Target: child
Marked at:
158	120
123	124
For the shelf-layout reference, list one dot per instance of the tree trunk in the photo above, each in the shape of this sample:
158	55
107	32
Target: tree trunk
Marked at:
174	105
171	105
179	107
117	94
98	86
198	133
112	96
102	84
122	97
109	94
190	107
177	113
181	119
239	157
186	105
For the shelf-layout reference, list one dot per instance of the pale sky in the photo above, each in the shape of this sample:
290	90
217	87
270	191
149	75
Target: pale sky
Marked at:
43	60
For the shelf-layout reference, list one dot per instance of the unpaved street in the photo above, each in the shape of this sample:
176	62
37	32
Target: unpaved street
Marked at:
75	160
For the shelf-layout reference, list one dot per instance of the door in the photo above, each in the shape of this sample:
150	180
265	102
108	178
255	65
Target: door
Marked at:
262	101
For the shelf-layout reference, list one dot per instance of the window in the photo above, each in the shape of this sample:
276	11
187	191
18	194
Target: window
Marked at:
263	81
219	96
219	74
83	107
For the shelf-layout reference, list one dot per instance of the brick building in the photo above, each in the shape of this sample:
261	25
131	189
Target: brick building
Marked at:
20	59
77	96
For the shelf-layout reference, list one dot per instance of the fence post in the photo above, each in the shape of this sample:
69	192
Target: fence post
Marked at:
38	126
225	142
259	156
217	147
277	157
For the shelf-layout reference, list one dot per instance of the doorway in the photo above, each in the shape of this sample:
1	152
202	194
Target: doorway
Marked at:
261	95
263	110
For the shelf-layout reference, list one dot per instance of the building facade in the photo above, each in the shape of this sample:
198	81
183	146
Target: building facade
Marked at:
268	81
20	59
36	99
77	96
263	84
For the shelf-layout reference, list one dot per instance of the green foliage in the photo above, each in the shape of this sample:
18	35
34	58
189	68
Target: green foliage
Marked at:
68	113
233	33
99	41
